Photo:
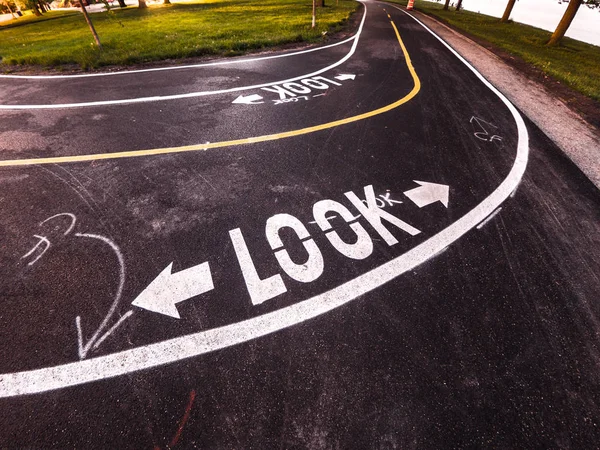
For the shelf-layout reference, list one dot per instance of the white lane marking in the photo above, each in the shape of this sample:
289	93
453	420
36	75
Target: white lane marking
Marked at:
188	66
172	350
488	218
194	94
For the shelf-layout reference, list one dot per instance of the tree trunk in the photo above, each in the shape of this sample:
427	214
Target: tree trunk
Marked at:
458	5
36	10
508	10
12	13
564	23
122	4
314	19
42	7
142	4
321	3
89	22
446	5
166	2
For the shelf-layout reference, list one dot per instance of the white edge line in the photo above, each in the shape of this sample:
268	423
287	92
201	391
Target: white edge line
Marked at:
183	347
187	66
194	94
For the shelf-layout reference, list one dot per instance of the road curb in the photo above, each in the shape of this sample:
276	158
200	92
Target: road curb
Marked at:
577	138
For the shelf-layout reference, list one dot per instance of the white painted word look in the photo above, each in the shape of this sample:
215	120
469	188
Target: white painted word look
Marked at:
263	289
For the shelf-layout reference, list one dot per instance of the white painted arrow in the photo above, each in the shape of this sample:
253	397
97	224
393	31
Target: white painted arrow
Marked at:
168	289
428	193
248	99
345	76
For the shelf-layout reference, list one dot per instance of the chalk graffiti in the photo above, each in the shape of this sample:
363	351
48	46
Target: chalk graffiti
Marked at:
43	240
483	134
384	200
381	200
42	246
290	100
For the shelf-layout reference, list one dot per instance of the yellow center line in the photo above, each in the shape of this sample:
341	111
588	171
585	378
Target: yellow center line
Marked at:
251	140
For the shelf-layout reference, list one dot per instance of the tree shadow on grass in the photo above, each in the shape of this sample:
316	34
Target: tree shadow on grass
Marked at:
39	20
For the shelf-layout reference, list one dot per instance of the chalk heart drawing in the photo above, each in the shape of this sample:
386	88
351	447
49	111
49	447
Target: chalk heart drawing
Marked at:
193	345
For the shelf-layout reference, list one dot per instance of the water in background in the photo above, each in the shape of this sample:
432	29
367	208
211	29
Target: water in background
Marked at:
544	14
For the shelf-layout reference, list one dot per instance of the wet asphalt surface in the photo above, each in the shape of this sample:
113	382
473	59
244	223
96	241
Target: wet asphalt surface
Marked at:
491	342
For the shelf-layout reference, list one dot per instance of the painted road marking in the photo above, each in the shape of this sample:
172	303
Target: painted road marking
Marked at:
345	76
158	98
252	99
263	289
290	92
183	347
168	289
188	66
428	193
292	89
488	218
252	140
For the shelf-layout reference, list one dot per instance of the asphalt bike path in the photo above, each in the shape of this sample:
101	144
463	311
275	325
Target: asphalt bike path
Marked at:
397	258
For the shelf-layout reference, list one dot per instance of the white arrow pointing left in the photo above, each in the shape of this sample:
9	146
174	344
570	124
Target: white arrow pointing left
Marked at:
248	99
345	76
168	289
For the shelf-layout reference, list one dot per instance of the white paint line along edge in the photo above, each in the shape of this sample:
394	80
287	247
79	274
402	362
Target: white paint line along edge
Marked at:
188	66
183	347
194	94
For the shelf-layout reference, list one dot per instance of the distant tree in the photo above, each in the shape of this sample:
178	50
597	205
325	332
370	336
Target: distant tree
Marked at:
446	5
33	5
142	4
7	4
568	17
508	10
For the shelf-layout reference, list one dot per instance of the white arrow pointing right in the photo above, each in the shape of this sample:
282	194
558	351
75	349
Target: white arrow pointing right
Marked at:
248	99
345	76
428	193
168	289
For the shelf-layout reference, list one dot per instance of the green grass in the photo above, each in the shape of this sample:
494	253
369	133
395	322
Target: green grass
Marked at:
574	63
183	29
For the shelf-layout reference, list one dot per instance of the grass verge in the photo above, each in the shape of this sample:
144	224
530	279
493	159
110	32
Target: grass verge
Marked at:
573	63
182	29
